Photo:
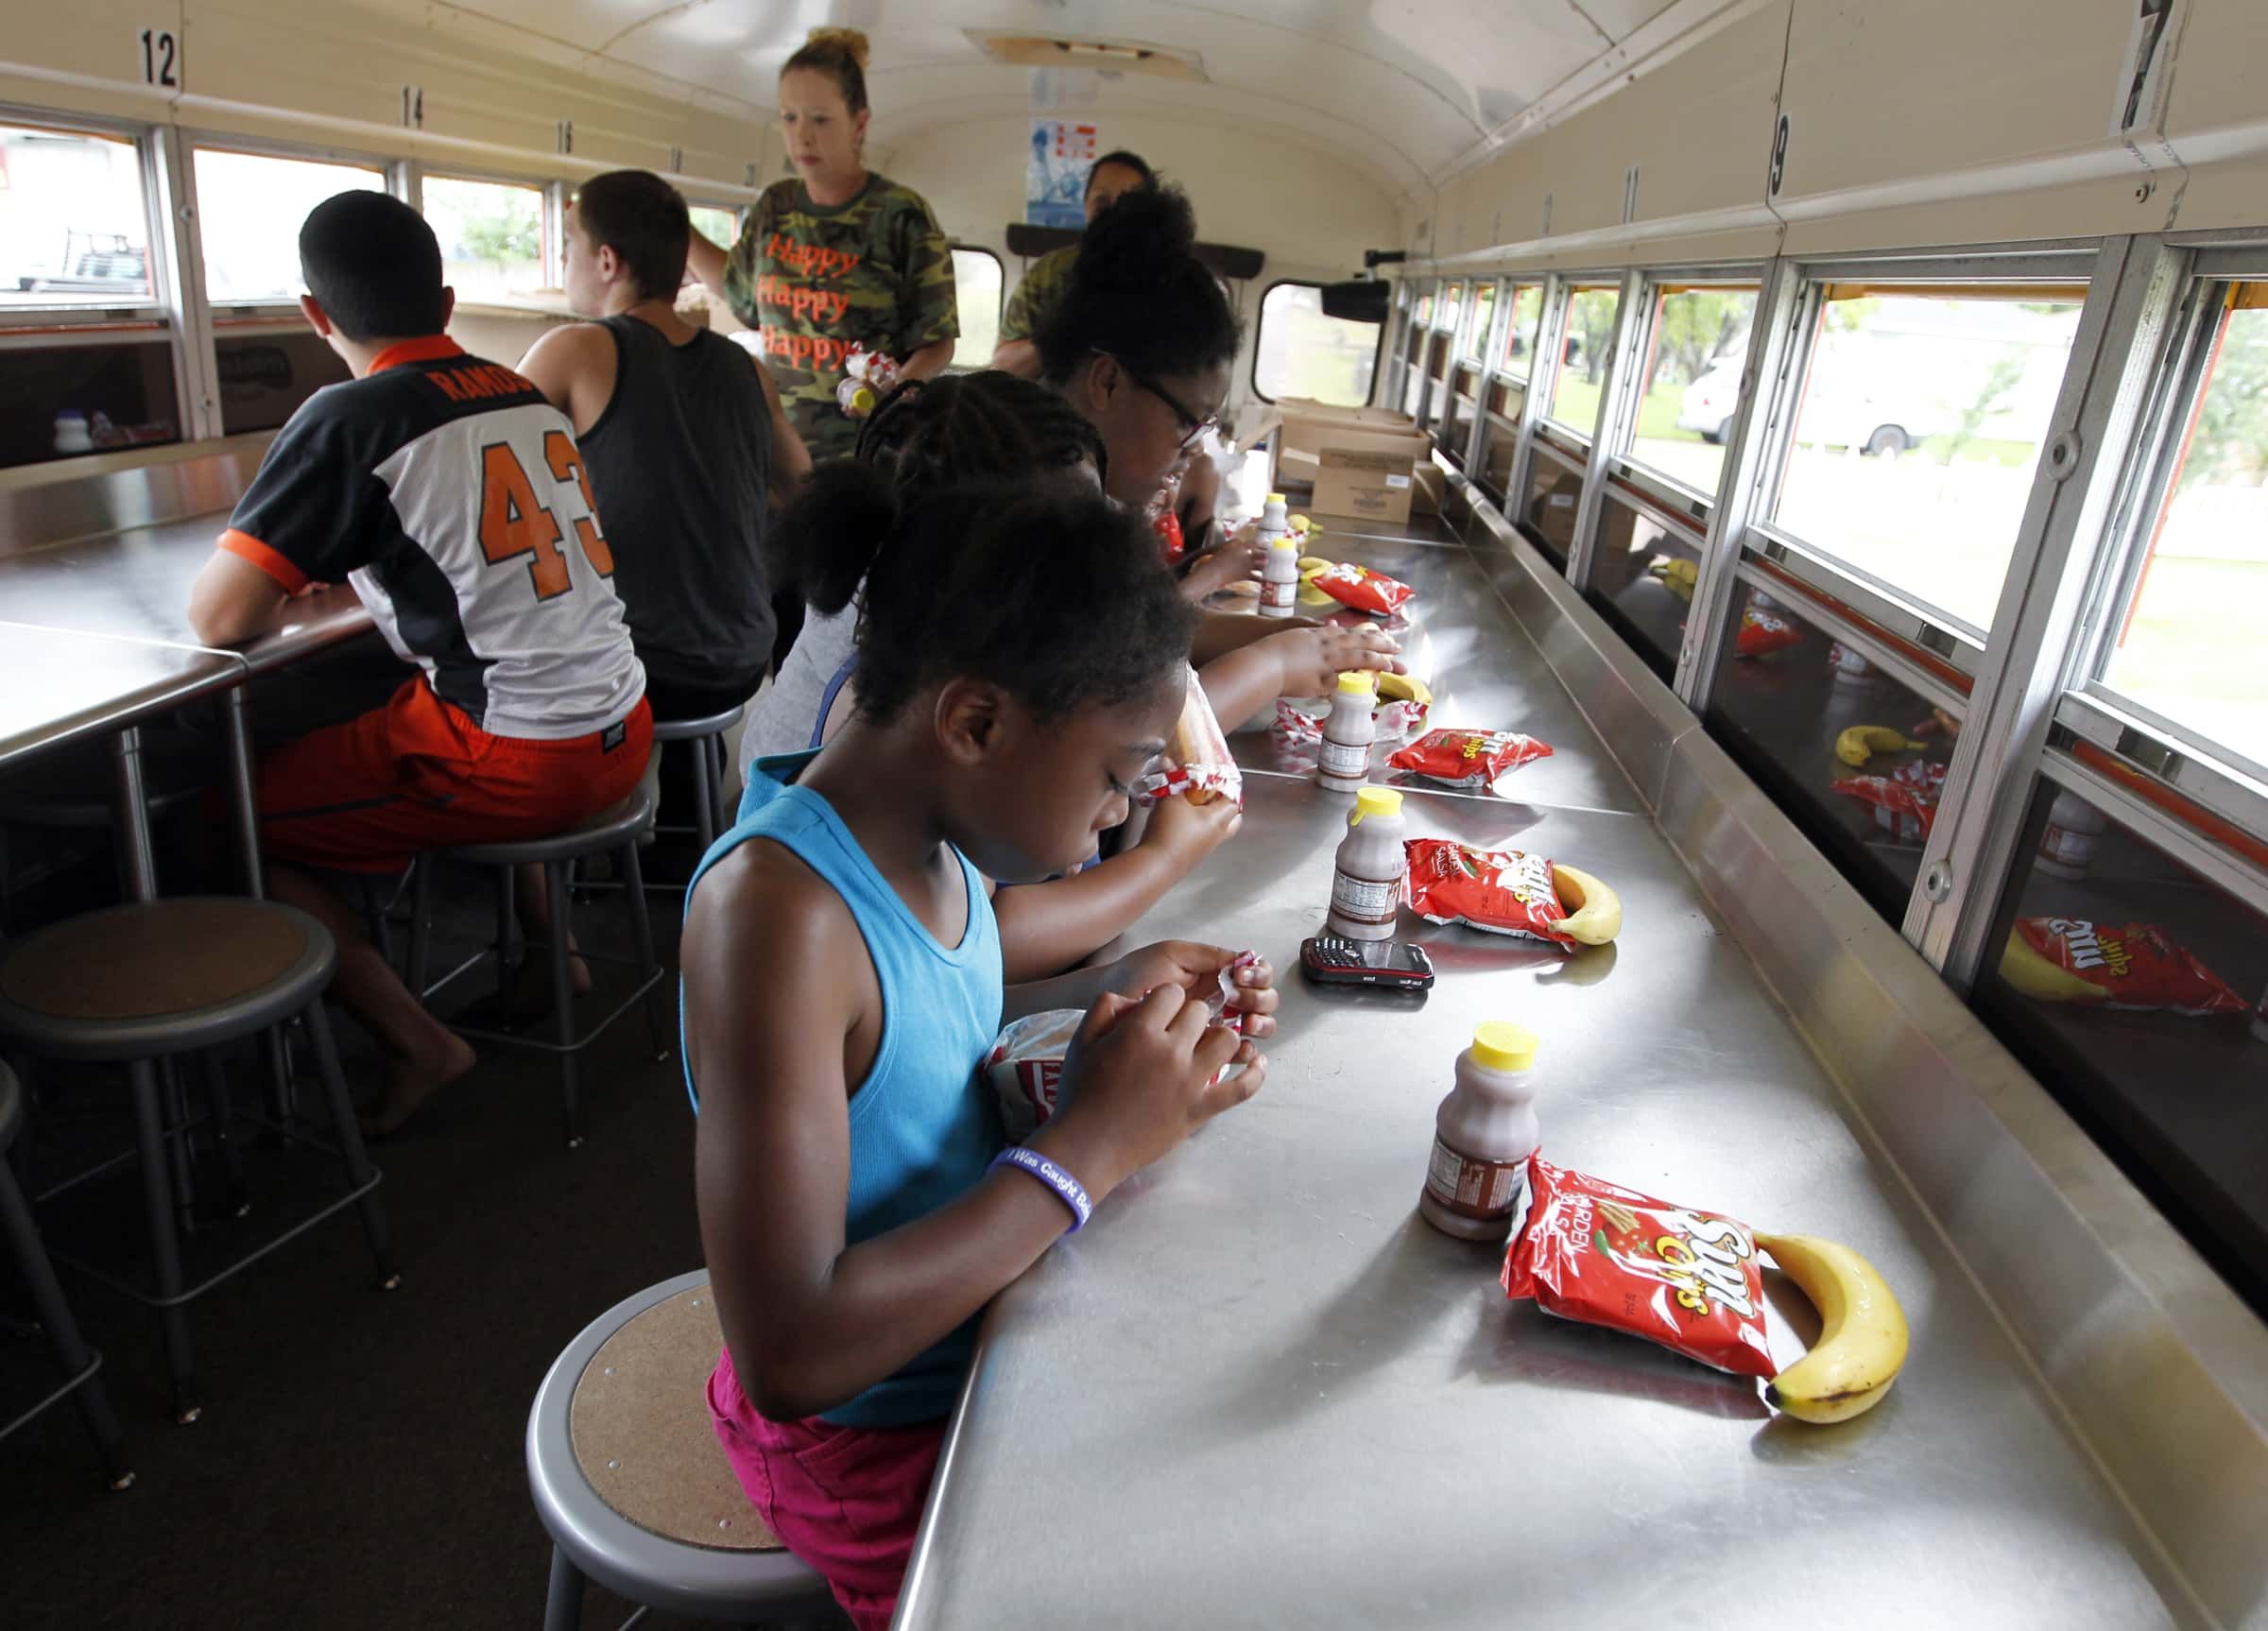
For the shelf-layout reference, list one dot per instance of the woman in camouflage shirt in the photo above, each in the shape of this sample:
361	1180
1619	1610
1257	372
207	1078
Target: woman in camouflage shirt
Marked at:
839	257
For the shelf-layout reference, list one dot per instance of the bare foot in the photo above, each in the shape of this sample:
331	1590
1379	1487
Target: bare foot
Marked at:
411	1080
531	987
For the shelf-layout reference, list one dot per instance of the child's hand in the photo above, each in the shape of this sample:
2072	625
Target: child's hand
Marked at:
1139	1079
1200	971
1238	560
1188	832
1312	659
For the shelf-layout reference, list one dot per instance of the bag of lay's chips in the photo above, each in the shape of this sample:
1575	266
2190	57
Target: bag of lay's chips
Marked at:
1502	891
1362	589
1762	632
1473	760
1594	1251
2111	965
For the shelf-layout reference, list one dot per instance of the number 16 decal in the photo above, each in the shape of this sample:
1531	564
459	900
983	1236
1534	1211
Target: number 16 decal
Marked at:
513	522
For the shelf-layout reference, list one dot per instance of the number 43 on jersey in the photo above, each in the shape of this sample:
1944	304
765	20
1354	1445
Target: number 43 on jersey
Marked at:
513	522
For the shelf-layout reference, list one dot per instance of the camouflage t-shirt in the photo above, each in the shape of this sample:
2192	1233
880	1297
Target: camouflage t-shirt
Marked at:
1036	296
876	272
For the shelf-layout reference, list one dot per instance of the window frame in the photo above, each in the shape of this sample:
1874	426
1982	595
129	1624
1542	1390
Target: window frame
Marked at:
1570	284
156	305
1622	463
550	223
1000	301
285	309
1260	322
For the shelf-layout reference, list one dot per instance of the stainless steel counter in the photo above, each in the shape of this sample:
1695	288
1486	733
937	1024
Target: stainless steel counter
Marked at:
1485	676
1261	1392
135	584
63	686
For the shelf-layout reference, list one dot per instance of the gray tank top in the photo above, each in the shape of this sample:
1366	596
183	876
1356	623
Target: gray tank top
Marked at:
680	462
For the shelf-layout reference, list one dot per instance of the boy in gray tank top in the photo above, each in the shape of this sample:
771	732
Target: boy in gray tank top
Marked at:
686	447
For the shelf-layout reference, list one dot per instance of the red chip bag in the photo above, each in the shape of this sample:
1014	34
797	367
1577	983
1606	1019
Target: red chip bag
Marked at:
1905	802
1596	1252
1470	759
1764	631
1502	891
1362	589
2112	966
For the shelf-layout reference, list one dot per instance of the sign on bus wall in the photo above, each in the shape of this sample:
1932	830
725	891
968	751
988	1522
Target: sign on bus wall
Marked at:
1055	181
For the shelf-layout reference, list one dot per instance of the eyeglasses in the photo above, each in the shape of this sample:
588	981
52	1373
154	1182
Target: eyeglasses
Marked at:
1194	427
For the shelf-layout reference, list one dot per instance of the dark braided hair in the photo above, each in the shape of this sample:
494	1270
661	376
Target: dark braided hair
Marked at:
972	427
1140	293
1049	592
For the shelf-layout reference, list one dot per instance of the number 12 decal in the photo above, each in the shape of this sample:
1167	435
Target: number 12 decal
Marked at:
161	59
514	522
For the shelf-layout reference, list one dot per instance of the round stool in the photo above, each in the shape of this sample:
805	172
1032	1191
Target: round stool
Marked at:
615	830
79	1362
632	1485
135	984
707	737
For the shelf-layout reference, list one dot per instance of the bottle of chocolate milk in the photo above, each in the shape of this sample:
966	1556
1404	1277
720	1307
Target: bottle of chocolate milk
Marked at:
1484	1133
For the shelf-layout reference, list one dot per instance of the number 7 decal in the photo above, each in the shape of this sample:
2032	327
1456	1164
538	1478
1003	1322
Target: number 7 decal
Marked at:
513	522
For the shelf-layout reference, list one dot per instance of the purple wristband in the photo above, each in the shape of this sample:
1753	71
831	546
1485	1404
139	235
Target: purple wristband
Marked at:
1072	1193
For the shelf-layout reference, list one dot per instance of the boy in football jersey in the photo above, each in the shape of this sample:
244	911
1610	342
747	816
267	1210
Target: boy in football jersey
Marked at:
453	497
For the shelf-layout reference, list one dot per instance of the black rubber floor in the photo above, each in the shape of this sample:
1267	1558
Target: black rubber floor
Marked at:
358	1463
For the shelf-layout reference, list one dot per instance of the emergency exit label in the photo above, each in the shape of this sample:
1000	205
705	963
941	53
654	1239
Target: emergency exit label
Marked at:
157	59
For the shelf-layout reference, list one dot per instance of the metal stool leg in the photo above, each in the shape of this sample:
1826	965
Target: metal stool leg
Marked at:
282	1102
563	1603
508	944
704	788
562	1001
157	1197
218	1109
344	1128
420	926
642	936
71	1352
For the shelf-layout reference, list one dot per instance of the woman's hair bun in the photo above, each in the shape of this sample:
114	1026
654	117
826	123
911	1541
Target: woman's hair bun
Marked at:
851	43
1134	241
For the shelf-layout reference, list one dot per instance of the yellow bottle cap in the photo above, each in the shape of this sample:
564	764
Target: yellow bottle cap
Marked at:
1375	801
1276	498
1501	1046
1290	543
1361	682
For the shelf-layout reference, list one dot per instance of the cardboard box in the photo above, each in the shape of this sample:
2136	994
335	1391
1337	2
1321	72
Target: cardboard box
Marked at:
1552	514
1359	483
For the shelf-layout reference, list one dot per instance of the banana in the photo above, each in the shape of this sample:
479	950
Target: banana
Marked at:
1862	1337
1862	742
1311	564
2039	977
1300	525
1596	917
1681	577
1403	688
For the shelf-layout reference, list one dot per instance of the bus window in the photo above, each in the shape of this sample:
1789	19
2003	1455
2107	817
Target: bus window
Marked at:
1300	352
2181	644
70	394
73	228
491	237
250	205
976	281
1554	499
720	227
1518	360
1643	572
1918	430
1694	353
1785	692
1483	314
1450	308
1579	381
2123	977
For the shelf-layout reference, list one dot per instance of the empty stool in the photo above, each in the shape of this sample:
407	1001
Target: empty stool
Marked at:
707	738
79	1362
131	985
633	1487
614	831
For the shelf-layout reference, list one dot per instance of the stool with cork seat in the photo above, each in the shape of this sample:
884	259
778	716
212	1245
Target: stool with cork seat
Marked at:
136	984
633	1487
615	832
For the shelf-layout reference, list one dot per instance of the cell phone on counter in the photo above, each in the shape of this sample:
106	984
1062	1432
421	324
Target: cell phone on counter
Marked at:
1395	965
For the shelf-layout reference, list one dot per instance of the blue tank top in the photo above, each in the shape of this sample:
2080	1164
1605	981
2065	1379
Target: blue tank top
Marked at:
922	1128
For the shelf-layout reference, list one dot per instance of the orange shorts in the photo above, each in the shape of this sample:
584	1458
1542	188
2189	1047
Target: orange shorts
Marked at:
418	774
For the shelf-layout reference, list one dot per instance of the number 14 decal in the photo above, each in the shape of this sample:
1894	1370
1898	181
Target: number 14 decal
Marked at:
514	522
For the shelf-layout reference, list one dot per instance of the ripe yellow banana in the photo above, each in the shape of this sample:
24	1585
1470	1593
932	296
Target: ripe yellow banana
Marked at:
1680	577
1596	917
1311	564
2037	977
1299	523
1863	1334
1861	741
1403	688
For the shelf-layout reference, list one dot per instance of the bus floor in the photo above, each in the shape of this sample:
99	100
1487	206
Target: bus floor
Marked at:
358	1461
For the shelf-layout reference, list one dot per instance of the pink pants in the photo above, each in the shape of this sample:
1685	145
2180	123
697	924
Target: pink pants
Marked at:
847	1500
